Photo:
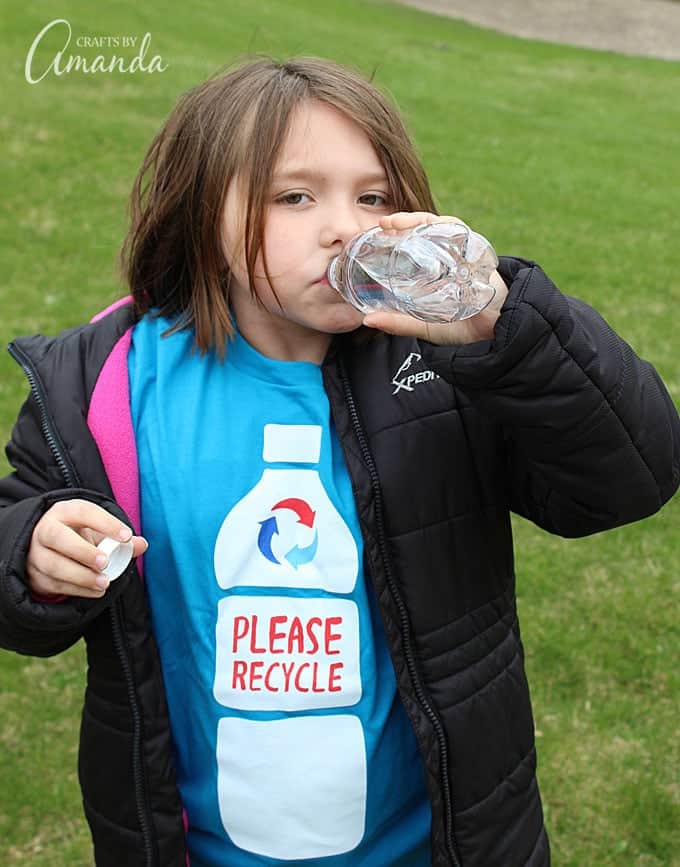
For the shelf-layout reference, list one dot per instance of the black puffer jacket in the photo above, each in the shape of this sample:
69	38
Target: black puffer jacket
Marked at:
556	419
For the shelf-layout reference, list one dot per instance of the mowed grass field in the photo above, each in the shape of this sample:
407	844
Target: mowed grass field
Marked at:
566	156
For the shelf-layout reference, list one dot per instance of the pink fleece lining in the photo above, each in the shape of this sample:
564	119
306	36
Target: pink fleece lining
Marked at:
110	421
185	820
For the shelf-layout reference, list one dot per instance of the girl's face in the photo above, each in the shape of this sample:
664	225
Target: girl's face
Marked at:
328	184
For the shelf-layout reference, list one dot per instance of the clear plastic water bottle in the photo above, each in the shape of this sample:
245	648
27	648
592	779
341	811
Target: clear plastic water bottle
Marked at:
437	272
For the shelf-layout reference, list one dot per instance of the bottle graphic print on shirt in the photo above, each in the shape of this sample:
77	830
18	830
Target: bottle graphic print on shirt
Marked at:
293	787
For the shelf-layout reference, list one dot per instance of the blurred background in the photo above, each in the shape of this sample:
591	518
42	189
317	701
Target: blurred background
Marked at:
568	156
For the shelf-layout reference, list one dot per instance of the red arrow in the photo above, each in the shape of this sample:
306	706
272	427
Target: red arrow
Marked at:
302	509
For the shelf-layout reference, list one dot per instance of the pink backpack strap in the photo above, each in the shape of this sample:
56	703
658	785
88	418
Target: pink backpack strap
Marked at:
110	421
121	302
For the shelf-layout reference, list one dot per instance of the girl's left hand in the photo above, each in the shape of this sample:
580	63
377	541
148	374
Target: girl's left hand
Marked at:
478	327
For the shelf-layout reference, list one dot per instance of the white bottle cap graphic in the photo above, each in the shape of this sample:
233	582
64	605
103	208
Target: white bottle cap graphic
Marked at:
292	443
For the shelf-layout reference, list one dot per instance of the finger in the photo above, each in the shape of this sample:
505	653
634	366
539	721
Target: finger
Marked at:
63	540
79	514
139	543
500	286
52	573
64	588
404	219
139	546
43	585
445	218
409	219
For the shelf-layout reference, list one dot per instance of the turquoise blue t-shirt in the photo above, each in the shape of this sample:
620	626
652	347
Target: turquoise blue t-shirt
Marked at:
291	742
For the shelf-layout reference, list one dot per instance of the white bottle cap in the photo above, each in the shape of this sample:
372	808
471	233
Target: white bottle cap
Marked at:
292	443
119	554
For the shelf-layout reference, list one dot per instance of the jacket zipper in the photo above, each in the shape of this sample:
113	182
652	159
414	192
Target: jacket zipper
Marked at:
403	616
72	480
68	471
137	768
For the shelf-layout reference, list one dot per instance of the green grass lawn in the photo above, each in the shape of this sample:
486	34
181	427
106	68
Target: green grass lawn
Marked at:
566	156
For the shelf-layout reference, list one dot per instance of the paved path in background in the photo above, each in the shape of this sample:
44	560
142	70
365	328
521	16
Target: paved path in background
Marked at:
650	28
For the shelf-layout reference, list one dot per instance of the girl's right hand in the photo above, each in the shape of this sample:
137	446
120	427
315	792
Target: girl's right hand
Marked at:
478	327
63	559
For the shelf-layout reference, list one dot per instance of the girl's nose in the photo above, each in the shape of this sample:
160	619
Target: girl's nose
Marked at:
340	224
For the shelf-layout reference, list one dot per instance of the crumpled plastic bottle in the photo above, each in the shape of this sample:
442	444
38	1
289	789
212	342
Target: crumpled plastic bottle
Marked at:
437	272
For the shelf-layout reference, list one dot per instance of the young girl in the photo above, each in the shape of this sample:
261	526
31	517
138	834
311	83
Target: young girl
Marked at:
317	660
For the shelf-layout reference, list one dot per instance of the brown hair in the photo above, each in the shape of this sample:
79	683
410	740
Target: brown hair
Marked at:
234	124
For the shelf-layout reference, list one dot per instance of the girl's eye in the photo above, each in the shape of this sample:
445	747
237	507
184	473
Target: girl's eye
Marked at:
380	200
292	198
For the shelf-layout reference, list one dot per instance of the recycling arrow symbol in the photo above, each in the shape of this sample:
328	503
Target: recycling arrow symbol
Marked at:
269	528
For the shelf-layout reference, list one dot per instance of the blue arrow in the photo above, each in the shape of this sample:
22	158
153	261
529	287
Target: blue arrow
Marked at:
300	556
268	529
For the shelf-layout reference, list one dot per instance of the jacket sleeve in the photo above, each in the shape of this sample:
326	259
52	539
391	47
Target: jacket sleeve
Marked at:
27	625
592	436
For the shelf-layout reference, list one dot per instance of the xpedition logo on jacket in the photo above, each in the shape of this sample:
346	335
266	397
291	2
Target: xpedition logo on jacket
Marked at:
407	378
